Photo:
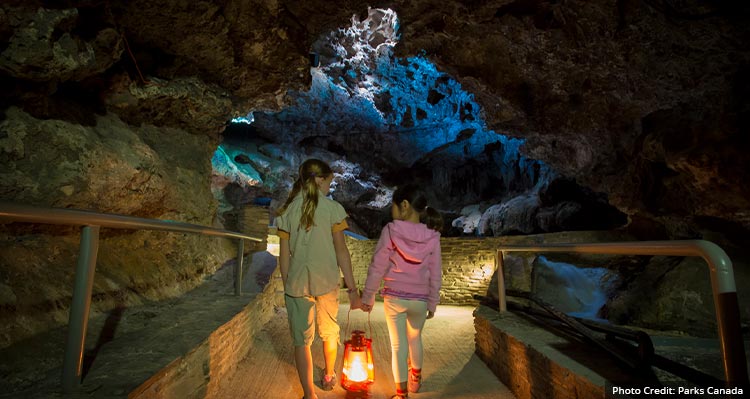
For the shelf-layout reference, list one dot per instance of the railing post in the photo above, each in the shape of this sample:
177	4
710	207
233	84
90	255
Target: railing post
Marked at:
238	269
732	345
86	267
501	302
727	312
722	285
79	308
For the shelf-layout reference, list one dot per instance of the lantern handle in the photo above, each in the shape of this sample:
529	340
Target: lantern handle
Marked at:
348	316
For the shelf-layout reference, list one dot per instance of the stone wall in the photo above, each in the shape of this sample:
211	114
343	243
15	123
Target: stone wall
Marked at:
535	363
653	299
469	262
199	372
253	221
468	265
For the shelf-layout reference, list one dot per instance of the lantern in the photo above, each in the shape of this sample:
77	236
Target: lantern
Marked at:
358	373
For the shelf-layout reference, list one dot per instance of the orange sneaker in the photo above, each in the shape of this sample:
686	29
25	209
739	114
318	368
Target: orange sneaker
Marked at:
400	395
328	382
415	380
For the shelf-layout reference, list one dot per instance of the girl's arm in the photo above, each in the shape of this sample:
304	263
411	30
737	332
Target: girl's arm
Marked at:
284	258
378	267
436	279
344	261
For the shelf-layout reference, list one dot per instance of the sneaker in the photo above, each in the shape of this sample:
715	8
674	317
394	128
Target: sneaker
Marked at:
400	394
328	381
415	380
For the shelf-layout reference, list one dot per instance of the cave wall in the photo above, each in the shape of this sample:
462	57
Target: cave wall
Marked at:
644	101
637	99
114	168
118	107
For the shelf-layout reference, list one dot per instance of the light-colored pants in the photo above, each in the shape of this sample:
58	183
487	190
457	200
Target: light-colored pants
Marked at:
305	312
405	318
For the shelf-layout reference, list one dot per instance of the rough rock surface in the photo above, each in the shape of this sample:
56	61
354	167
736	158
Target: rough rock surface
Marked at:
635	99
113	168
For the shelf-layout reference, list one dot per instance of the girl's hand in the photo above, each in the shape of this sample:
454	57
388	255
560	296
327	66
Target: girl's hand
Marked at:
430	314
355	301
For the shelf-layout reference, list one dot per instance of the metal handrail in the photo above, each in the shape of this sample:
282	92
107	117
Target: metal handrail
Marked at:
722	285
91	222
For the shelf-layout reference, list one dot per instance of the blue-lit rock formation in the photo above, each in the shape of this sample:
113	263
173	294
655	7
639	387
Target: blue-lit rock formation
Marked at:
411	122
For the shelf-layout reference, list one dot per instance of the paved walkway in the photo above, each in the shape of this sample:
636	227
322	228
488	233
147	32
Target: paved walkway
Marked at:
451	369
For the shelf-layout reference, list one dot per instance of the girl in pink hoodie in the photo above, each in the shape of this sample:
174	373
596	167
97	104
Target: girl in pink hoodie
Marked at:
407	260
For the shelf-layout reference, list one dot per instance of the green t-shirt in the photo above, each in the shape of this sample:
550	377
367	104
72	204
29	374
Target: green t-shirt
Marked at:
313	269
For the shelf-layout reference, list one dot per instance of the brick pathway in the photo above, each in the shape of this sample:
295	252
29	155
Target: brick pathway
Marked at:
451	369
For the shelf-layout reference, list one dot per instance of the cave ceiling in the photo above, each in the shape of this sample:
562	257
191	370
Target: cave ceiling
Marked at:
644	101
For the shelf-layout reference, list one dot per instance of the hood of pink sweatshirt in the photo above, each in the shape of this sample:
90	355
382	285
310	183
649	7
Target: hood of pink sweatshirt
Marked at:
413	241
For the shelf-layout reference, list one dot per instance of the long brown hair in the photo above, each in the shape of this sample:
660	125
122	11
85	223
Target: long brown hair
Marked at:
305	183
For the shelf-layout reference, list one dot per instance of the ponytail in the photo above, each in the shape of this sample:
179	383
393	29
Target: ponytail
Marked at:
305	183
432	219
309	202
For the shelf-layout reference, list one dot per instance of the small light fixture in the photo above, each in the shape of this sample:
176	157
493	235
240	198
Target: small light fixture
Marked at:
359	372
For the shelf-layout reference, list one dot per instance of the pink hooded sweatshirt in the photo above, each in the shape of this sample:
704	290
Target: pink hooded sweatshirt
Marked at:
407	260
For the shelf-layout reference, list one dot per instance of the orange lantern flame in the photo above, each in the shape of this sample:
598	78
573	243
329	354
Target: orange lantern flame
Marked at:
358	372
